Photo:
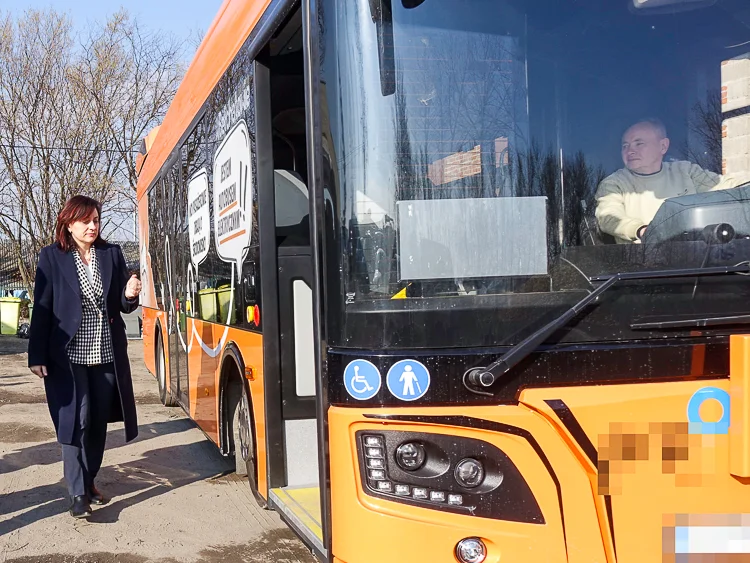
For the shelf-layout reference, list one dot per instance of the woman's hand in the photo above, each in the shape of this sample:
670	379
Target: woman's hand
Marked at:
133	289
39	371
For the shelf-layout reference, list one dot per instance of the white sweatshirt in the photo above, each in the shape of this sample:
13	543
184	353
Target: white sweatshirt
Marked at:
625	201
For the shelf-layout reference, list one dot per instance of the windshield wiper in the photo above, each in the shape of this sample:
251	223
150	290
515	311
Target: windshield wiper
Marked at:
696	322
486	377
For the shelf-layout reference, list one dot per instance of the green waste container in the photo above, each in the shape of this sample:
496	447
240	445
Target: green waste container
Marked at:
10	309
225	296
209	304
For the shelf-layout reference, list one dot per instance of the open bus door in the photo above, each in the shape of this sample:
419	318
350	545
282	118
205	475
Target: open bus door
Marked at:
286	274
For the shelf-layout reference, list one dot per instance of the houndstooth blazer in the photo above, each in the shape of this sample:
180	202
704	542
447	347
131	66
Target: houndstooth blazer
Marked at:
92	344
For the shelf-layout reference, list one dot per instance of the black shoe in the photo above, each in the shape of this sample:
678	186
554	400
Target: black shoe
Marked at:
96	497
80	508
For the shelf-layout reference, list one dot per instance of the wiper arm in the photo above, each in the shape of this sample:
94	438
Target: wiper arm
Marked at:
486	377
696	322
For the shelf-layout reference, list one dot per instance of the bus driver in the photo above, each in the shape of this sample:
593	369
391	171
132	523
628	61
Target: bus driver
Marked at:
628	199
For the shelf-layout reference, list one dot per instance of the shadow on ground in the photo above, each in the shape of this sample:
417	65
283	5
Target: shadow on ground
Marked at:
154	473
13	345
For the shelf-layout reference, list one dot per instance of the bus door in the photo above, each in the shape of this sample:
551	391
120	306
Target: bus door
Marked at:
291	405
300	497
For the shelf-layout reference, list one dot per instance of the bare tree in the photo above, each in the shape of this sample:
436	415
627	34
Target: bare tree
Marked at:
131	75
71	118
195	38
581	179
704	133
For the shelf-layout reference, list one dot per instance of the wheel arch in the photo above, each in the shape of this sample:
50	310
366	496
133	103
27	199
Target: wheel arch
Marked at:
158	337
230	389
161	344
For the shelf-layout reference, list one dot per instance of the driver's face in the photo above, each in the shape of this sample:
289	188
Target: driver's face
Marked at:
643	148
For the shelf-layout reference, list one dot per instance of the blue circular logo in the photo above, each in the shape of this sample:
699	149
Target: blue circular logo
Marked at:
696	425
362	380
408	380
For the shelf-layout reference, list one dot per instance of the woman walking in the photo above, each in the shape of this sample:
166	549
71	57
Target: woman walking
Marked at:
77	344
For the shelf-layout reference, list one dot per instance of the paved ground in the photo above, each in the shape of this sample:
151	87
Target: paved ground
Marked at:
174	498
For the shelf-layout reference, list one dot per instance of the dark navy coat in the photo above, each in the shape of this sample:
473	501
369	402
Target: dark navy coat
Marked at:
57	316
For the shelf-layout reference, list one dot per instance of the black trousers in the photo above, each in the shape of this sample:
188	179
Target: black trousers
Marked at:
95	390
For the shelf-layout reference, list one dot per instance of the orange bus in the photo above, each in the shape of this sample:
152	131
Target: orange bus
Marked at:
464	280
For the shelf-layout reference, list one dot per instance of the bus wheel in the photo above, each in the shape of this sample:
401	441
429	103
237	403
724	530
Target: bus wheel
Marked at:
242	434
161	376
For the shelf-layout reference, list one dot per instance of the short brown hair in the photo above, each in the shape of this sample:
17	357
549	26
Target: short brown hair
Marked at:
77	208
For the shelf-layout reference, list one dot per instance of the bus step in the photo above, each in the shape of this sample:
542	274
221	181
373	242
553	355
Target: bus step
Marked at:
299	507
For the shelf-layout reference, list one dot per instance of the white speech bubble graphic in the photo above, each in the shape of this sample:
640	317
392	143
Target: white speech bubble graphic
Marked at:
199	225
232	187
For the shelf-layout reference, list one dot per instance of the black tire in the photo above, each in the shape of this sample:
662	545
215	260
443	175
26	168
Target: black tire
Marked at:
165	394
243	439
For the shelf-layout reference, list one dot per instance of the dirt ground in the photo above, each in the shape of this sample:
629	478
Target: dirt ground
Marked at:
174	497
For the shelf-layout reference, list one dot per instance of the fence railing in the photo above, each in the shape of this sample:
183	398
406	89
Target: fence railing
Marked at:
10	276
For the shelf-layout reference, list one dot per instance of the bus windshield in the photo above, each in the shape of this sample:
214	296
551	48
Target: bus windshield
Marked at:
487	158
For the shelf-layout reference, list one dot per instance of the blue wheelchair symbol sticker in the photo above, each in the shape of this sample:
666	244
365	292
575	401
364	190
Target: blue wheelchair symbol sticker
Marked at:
696	425
408	380
362	380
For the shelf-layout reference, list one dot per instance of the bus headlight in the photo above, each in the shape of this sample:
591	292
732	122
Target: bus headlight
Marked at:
471	550
469	473
445	472
410	456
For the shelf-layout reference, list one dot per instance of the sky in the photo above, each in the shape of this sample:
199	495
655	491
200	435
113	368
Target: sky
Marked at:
186	19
